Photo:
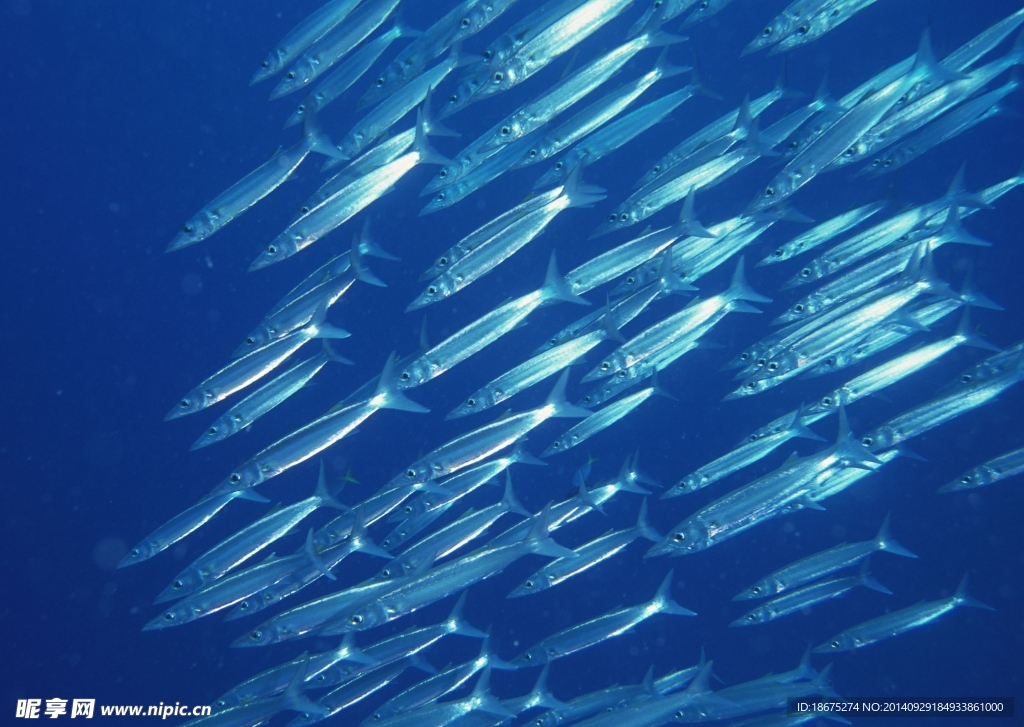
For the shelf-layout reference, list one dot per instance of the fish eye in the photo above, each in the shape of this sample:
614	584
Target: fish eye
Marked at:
498	77
806	272
767	32
184	404
487	54
135	552
380	82
533	152
773	365
630	280
440	196
779	253
211	431
761	361
834	644
605	366
356	619
799	307
755	589
830	361
471	402
272	249
802	30
867	441
769	192
965	480
623	217
827	401
465	22
528	656
256	635
264	64
291	75
556	445
410	472
432	290
235	478
178	584
169	616
744	356
559	165
443	173
751	617
442	261
505	130
678	537
188	229
611	217
528	584
404	376
704	5
250	340
965	379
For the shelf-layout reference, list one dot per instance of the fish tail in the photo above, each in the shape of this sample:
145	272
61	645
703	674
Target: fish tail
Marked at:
325	496
688	223
663	599
739	289
484	701
885	541
579	193
363	542
968	338
822	684
963	598
351	652
509	501
387	390
557	288
428	155
562	408
541	696
315	138
521	456
458	622
540	540
972	296
926	65
867	580
643	527
359	268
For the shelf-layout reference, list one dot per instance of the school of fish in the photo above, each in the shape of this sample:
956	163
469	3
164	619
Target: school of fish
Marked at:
863	282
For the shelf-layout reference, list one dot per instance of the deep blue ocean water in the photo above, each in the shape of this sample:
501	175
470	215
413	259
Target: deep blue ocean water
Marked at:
120	120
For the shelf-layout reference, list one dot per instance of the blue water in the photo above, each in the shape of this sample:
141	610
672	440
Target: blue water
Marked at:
120	120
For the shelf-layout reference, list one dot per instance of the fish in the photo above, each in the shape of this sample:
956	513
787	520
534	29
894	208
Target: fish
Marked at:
229	553
303	35
243	194
813	567
898	622
334	46
607	626
254	365
808	596
316	436
999	468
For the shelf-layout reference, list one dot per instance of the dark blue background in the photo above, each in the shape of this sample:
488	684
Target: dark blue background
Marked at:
121	119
